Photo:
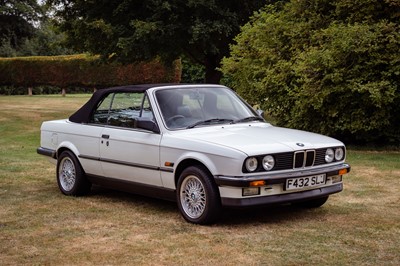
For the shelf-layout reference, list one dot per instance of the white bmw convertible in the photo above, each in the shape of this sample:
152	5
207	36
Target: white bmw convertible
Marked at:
200	145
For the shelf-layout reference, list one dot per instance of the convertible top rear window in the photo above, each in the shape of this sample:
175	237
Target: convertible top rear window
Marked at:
84	114
121	109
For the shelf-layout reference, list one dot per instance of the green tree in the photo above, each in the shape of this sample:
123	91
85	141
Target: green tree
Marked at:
327	66
26	30
129	30
16	23
46	41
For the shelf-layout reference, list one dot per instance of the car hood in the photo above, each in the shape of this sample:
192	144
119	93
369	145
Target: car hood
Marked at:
258	138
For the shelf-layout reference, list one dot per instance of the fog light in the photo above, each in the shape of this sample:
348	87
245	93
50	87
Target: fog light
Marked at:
336	179
250	191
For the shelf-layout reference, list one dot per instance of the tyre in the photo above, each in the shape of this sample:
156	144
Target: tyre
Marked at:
198	196
71	178
313	203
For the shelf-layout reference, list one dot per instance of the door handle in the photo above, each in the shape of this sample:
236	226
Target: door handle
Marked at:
105	136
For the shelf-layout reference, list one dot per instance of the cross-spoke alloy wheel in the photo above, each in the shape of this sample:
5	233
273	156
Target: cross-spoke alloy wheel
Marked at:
67	174
198	197
71	178
193	197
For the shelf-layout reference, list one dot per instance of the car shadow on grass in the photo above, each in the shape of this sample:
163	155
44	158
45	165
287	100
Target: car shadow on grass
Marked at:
267	215
134	199
254	215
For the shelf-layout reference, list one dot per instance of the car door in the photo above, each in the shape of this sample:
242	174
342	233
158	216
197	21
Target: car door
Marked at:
126	152
87	142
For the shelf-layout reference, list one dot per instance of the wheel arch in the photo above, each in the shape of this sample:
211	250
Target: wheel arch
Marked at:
187	163
64	146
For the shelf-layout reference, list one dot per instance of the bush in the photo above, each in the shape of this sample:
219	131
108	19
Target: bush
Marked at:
326	66
192	72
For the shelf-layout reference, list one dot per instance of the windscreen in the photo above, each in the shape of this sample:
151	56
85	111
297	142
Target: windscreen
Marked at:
189	107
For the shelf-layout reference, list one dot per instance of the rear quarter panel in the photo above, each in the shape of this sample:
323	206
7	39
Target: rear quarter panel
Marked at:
81	139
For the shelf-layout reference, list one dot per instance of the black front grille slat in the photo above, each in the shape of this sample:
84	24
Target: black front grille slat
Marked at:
310	156
304	159
283	161
320	157
298	159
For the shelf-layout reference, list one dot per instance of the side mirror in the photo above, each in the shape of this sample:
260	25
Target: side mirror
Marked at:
145	123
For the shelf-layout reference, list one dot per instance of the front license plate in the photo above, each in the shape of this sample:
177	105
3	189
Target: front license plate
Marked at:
305	182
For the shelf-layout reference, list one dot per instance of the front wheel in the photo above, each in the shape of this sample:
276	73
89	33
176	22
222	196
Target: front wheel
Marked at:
198	196
71	178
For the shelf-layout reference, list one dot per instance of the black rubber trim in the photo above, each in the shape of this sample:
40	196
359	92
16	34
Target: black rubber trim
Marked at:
46	152
89	157
282	198
143	166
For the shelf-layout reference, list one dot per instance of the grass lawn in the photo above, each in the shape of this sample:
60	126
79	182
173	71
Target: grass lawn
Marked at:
40	226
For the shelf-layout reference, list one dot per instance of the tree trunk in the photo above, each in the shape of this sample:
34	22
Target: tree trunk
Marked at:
30	91
213	76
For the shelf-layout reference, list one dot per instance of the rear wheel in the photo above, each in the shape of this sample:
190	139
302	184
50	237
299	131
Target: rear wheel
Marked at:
71	178
313	203
198	196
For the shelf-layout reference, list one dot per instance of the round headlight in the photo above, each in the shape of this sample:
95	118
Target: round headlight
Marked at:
329	155
339	154
268	162
251	164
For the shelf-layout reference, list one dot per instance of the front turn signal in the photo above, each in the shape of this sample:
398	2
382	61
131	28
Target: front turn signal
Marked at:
343	171
257	183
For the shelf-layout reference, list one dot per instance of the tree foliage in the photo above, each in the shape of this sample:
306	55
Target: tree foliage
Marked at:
16	18
26	30
327	66
130	30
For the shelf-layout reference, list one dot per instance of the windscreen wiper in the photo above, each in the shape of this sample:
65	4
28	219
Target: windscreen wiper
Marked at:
248	119
210	121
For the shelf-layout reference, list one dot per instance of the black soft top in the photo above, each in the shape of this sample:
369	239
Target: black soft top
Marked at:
84	113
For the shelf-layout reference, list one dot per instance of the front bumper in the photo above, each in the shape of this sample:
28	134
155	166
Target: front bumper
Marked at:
273	192
282	198
277	178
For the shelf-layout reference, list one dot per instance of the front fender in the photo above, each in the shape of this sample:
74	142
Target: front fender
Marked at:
196	156
216	164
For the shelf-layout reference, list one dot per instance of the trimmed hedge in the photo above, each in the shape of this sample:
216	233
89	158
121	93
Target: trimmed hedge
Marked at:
83	71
